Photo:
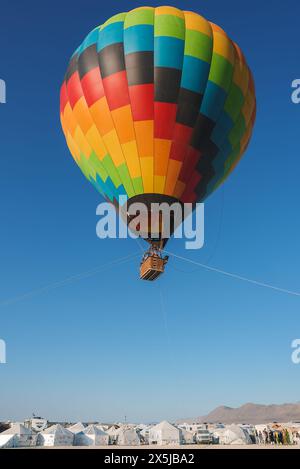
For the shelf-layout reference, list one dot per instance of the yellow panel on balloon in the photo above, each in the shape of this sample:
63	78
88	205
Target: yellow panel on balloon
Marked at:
112	144
73	147
159	184
223	46
132	159
197	23
168	11
96	142
147	168
82	143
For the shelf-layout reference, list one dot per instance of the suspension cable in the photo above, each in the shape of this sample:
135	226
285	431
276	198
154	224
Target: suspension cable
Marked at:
68	280
236	276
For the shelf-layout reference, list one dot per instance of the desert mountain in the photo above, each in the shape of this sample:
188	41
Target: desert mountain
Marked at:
252	413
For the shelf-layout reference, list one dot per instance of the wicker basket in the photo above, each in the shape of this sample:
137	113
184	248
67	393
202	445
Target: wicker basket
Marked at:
151	268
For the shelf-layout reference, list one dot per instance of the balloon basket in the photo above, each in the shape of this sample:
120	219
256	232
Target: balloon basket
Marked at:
152	264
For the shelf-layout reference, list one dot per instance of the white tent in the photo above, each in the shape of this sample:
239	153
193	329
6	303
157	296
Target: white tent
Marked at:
218	435
56	435
112	433
233	435
77	427
144	433
91	436
22	436
127	436
187	438
164	434
7	441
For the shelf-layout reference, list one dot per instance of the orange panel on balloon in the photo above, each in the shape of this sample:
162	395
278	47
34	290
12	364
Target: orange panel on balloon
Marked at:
144	138
123	122
161	156
102	117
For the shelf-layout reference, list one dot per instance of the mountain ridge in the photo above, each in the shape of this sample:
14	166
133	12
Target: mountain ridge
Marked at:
251	413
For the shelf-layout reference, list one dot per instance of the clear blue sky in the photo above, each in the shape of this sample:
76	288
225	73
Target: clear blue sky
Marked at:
102	347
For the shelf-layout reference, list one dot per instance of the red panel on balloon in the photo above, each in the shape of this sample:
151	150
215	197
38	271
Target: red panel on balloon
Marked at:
63	97
189	194
164	120
142	101
74	89
92	86
116	90
182	132
178	150
189	164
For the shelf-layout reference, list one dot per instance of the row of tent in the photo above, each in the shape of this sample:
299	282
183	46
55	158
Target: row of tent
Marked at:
94	435
161	434
20	436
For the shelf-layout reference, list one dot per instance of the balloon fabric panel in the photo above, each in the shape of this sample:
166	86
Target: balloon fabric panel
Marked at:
157	100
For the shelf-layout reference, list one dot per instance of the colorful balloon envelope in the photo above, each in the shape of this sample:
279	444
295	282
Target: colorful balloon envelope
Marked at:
157	104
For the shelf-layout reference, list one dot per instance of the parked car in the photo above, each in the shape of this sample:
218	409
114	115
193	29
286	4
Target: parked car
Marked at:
204	437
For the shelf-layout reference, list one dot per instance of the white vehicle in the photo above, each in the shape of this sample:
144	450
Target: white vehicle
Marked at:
192	427
204	437
36	423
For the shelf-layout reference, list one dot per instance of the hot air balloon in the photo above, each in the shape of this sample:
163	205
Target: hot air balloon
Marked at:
157	104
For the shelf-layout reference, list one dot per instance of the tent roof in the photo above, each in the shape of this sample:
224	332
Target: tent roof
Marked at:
93	430
164	425
59	429
101	427
77	427
125	430
127	435
17	428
